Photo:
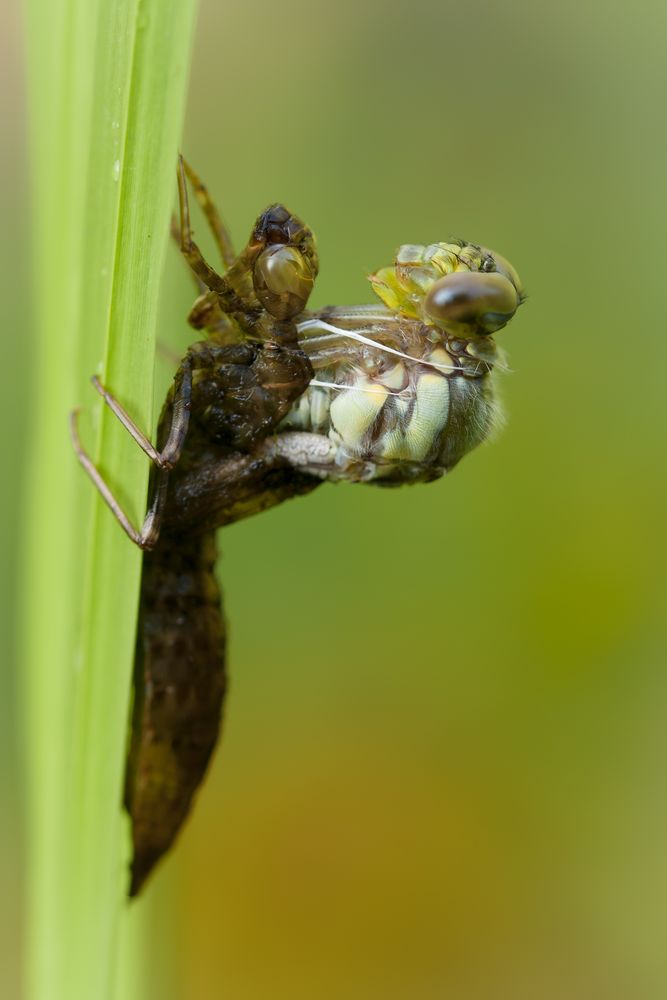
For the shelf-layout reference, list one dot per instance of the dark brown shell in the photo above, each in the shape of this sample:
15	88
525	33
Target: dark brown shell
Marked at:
179	690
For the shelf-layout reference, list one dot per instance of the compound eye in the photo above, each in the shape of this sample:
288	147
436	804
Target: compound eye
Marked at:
283	280
503	266
471	303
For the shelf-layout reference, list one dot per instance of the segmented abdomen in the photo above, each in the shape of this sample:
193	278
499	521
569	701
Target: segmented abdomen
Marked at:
179	689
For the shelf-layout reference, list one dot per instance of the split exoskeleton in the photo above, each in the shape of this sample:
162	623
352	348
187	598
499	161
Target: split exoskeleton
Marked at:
274	401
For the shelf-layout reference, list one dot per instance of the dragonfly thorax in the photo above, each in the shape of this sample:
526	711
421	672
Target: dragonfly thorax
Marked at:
398	404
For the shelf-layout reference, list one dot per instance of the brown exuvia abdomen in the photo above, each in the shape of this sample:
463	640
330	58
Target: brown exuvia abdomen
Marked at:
179	689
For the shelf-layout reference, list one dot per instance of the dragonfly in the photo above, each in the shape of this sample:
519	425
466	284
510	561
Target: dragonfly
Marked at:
273	401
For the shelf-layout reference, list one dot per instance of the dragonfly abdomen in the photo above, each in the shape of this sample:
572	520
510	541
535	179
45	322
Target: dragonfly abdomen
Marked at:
179	689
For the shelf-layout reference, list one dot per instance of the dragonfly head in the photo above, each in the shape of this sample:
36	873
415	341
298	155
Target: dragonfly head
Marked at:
470	304
460	288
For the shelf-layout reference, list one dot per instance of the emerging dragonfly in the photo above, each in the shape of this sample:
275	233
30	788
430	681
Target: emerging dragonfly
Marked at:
273	402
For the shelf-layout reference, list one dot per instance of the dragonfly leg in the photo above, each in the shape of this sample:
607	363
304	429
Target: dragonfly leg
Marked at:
164	459
203	270
127	421
216	225
206	314
175	232
150	529
169	454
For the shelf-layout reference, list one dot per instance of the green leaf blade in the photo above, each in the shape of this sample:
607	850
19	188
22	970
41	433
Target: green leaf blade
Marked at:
106	121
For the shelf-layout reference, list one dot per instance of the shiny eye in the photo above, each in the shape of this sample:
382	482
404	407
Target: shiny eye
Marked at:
283	280
503	266
469	303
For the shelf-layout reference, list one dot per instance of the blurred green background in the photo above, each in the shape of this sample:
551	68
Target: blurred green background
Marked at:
442	771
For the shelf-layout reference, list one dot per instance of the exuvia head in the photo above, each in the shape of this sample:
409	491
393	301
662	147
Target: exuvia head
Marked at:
283	278
285	262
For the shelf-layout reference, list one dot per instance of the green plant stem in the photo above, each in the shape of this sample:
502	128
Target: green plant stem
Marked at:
106	92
